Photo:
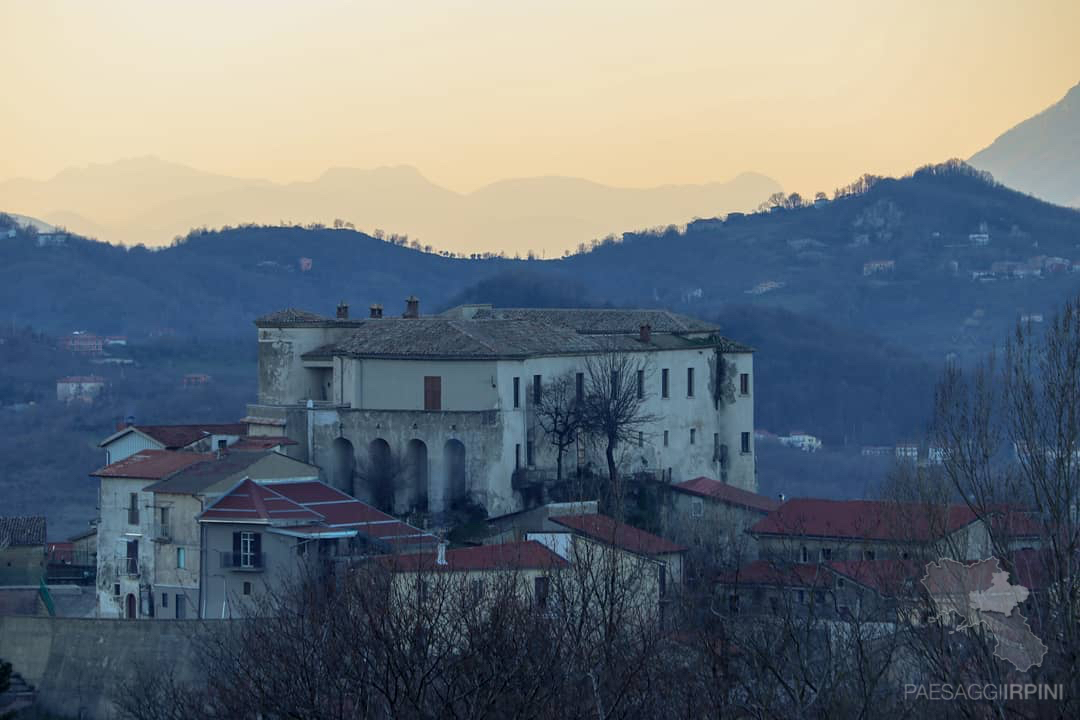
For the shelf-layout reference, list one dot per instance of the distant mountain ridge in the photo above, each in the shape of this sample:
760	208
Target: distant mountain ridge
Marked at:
1041	155
150	201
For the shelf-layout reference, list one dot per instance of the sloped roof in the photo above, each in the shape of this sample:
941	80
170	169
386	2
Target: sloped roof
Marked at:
864	519
715	490
249	502
22	530
887	576
609	530
526	555
174	437
291	316
200	476
151	464
260	442
601	321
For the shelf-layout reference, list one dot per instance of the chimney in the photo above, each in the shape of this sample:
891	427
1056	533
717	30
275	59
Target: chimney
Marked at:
130	420
376	311
646	333
440	559
343	310
781	497
412	307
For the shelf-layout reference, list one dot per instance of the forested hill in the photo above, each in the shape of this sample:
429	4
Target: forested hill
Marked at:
929	234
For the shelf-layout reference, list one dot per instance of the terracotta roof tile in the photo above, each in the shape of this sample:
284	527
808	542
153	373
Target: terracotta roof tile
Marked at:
527	555
864	519
709	488
22	530
151	464
174	437
609	530
250	502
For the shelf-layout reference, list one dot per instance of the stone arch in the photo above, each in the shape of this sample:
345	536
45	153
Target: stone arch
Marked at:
377	486
130	607
457	486
343	465
415	487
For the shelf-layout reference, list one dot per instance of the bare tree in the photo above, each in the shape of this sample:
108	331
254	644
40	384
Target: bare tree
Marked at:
559	415
613	409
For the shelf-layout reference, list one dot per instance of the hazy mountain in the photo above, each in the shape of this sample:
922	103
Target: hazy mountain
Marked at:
1041	155
150	201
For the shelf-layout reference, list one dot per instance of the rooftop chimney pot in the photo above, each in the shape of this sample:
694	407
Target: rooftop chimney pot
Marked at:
376	310
646	333
412	307
343	310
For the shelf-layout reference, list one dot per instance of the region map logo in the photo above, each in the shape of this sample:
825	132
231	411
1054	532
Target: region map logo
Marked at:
979	593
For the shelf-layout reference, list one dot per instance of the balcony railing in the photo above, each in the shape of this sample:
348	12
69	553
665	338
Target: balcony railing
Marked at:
243	562
127	566
162	532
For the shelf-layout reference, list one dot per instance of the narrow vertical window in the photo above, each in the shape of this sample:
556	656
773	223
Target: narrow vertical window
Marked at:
579	387
665	380
529	453
517	456
640	438
693	434
537	389
689	382
715	446
666	438
181	558
433	392
641	384
133	509
744	383
517	392
746	442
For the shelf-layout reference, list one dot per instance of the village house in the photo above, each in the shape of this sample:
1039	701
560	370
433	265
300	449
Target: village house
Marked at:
130	438
801	440
22	550
258	536
149	542
81	342
875	267
84	388
428	412
711	518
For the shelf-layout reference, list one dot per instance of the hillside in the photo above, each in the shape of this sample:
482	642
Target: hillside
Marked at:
1041	155
150	201
968	258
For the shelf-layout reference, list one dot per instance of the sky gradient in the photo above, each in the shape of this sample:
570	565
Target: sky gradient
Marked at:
626	93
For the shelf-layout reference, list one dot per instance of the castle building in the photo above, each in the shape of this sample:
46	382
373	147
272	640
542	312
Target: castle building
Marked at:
425	413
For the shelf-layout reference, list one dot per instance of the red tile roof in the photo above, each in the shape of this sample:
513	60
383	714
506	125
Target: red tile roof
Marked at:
887	576
864	519
178	436
527	555
611	531
249	502
707	487
260	442
151	464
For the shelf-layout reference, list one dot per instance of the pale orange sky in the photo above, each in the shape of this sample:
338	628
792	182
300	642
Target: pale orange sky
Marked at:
624	92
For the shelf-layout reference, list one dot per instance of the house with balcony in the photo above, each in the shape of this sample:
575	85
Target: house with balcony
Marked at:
258	535
423	413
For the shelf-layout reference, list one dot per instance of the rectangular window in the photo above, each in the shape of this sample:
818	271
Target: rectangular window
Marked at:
693	435
433	392
666	438
744	383
579	387
116	589
869	554
745	442
826	554
541	587
640	384
181	607
723	456
665	381
164	600
661	577
538	389
133	509
529	453
517	392
697	507
689	382
640	438
165	517
247	588
517	456
132	559
716	447
247	549
181	558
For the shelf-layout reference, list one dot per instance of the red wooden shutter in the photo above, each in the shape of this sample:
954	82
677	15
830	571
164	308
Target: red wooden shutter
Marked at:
433	392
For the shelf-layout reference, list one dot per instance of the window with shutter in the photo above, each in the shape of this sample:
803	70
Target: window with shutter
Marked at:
433	392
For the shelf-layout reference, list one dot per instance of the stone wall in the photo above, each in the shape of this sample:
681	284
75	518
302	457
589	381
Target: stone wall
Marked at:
78	665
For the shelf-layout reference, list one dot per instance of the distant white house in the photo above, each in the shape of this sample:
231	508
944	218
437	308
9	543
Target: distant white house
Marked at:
801	440
878	266
52	239
907	451
83	388
980	239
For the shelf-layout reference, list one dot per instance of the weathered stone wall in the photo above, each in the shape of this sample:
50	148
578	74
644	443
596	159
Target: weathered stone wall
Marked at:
78	665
